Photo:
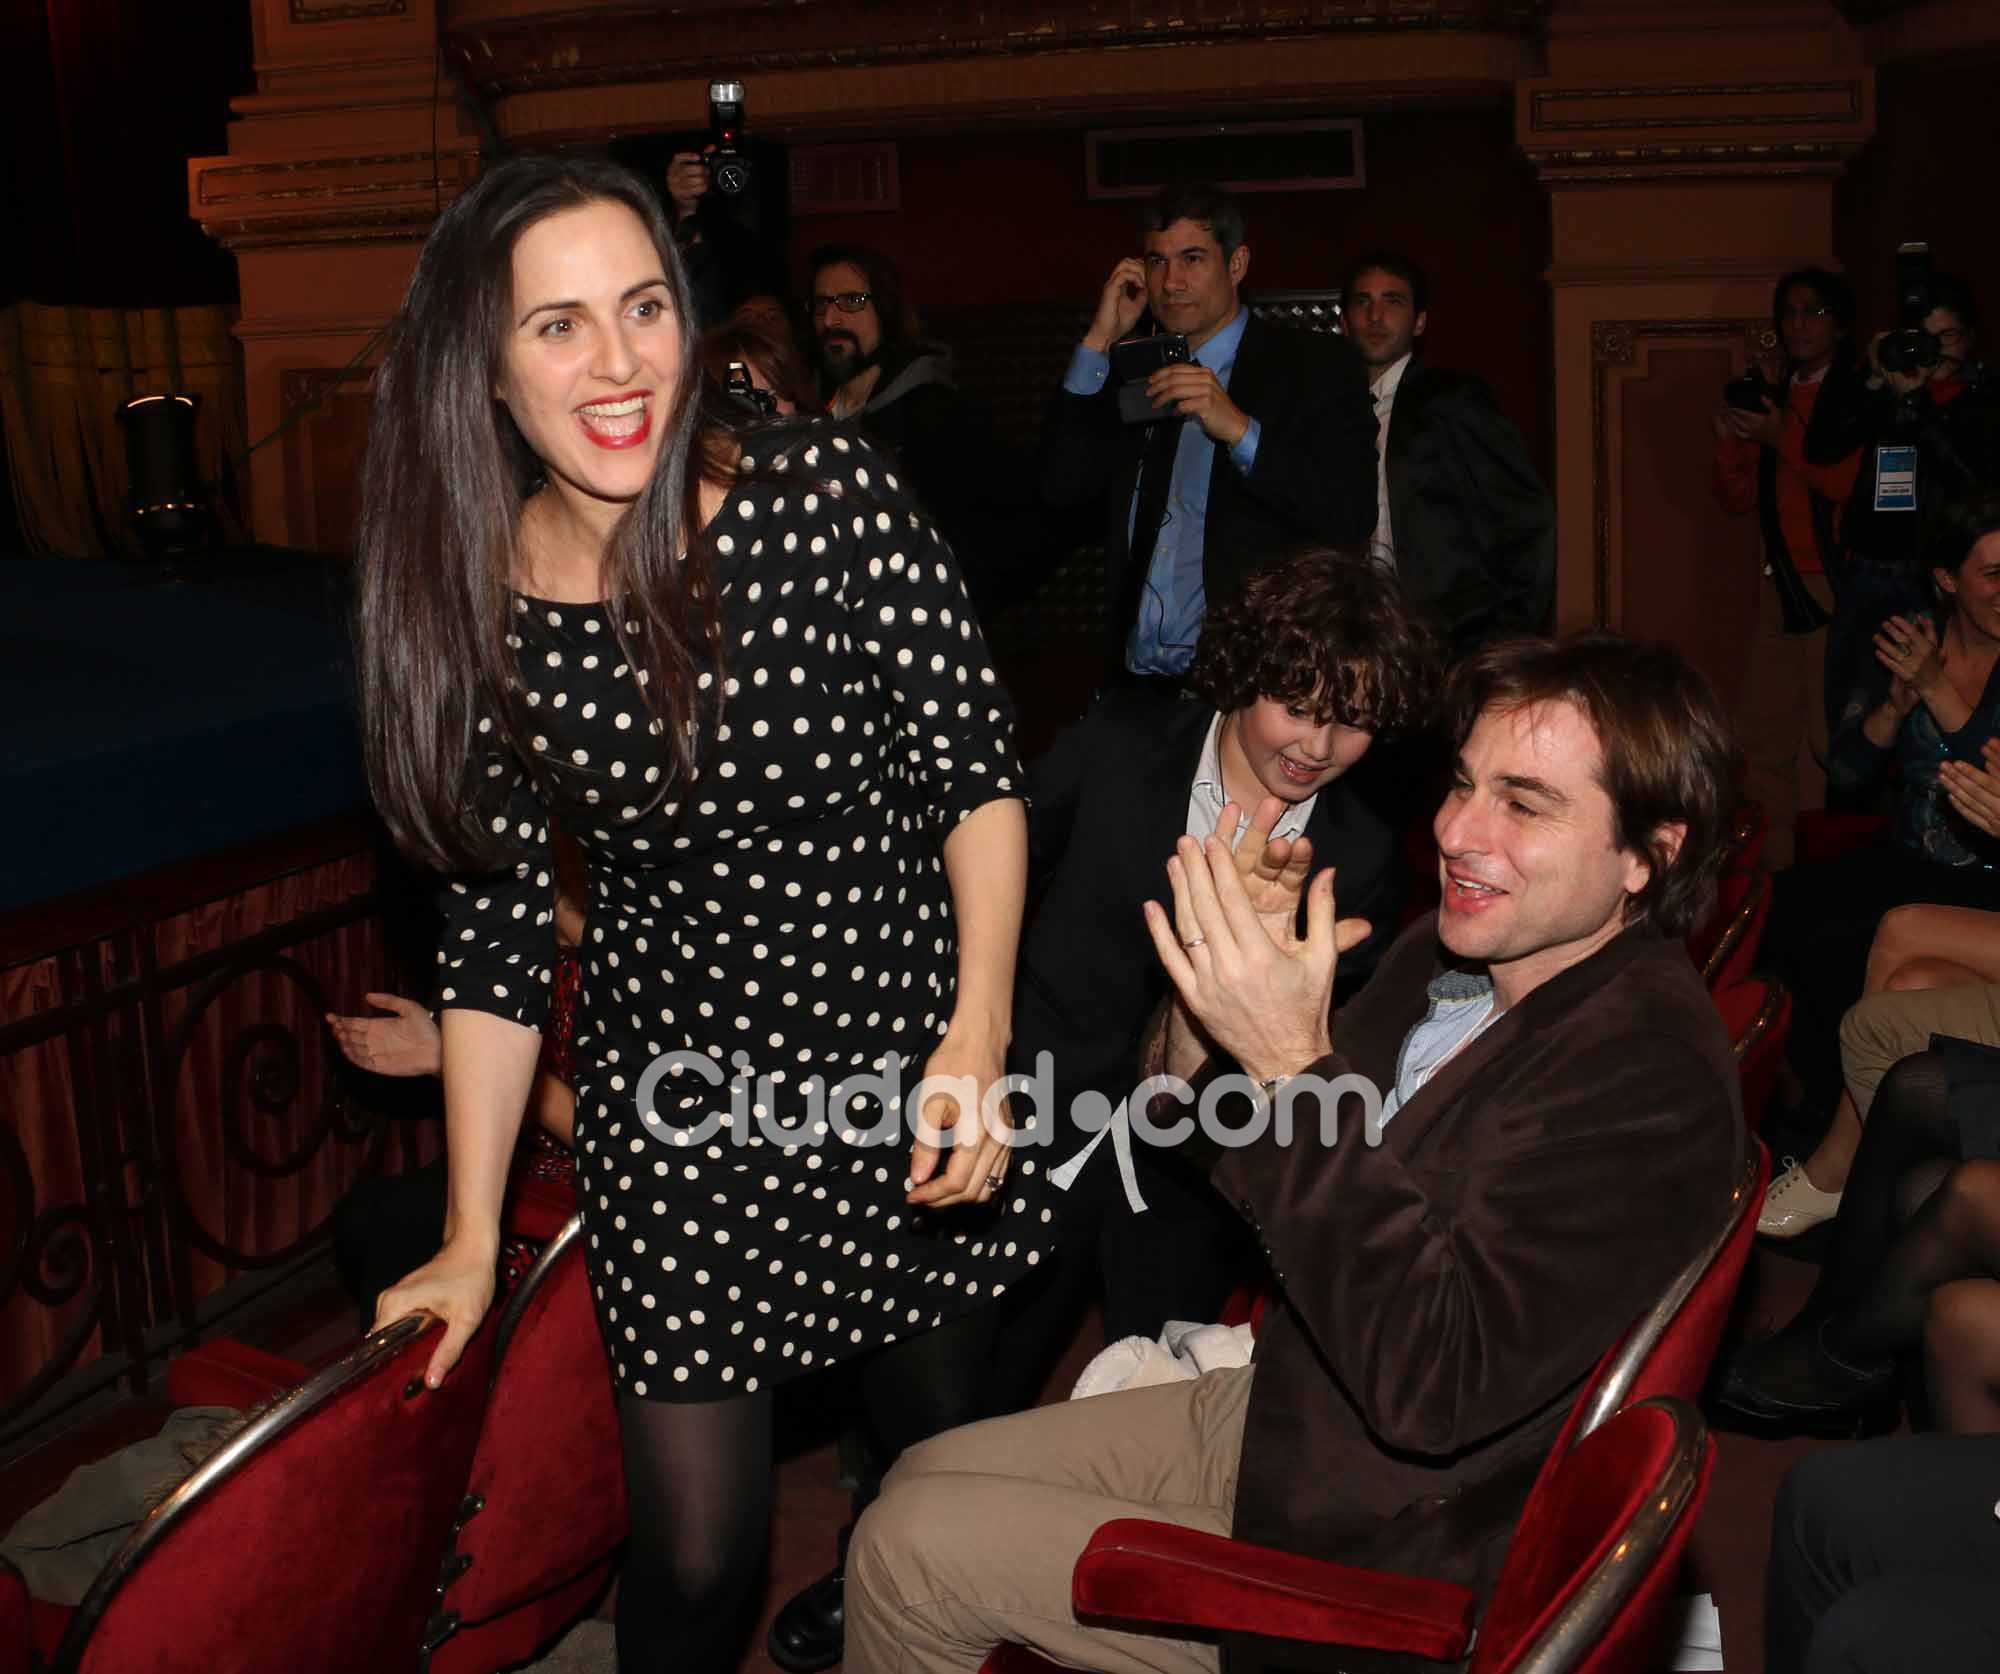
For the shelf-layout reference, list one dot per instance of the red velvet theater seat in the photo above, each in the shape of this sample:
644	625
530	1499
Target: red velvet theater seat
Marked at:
1725	946
17	1623
308	1543
1758	1015
545	1502
1588	1574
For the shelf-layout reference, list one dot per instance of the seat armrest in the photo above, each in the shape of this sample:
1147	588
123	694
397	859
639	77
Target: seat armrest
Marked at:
226	1373
1140	1571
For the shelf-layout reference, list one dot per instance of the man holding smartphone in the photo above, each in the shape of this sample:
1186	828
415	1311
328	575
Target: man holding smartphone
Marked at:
1760	467
1260	442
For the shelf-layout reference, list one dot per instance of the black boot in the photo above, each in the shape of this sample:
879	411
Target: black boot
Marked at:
810	1627
1794	1385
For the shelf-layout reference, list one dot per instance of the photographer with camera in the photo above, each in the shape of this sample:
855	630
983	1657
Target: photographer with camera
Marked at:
726	260
1924	415
1217	445
1760	466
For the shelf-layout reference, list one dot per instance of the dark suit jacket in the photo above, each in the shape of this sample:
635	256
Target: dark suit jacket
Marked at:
1108	801
1475	530
1313	483
1448	1290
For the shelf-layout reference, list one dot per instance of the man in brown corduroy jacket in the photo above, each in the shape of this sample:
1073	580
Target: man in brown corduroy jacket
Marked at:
1556	1135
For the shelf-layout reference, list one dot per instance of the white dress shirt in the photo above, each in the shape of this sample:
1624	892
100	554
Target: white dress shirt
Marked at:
1382	544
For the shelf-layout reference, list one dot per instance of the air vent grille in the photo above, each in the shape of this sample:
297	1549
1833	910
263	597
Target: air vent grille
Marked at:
844	179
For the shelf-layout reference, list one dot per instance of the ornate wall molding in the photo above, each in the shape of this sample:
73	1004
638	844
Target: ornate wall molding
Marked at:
583	44
392	196
1840	100
1628	129
1615	344
345	11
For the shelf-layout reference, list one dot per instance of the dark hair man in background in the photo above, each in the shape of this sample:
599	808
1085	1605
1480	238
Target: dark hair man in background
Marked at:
1461	515
1761	466
1267	445
875	369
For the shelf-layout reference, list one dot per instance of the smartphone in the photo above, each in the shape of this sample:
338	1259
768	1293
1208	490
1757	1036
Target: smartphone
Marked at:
1749	392
1136	360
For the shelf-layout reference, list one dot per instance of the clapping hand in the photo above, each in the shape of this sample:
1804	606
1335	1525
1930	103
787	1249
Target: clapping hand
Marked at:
1907	646
1232	950
1975	791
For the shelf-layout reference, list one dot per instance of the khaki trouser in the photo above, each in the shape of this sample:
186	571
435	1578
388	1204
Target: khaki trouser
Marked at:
1781	717
1880	1029
977	1530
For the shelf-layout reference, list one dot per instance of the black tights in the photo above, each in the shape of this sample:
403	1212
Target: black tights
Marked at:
698	1488
1913	1218
1908	1143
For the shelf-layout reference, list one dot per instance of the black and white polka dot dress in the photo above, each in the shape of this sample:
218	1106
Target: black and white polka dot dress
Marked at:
785	920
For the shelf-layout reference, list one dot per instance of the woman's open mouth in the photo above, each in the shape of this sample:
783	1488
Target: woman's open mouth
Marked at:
623	423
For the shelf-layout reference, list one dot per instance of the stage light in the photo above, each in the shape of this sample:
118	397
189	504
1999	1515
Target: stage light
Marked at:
166	497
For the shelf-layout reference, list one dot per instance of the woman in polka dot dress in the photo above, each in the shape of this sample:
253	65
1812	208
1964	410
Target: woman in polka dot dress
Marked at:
742	671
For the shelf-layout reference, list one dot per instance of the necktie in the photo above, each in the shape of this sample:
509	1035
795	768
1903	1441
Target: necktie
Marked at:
1155	481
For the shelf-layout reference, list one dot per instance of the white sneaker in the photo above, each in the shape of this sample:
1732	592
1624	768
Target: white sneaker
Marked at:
1794	1204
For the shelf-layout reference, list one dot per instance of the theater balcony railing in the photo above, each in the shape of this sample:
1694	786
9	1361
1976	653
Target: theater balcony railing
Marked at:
176	1124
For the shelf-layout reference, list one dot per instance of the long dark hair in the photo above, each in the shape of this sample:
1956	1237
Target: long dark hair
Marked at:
444	481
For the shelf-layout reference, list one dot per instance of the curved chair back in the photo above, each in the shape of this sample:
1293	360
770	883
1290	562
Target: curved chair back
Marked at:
1593	1561
1669	1349
545	1501
1734	931
307	1541
1758	1015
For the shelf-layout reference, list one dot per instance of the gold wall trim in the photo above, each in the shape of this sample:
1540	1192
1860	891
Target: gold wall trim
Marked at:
1541	123
563	49
345	11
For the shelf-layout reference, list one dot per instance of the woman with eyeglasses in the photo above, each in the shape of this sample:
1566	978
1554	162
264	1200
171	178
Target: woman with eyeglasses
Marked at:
739	667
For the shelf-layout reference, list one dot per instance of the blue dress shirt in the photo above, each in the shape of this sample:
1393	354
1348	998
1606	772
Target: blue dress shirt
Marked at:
1174	598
